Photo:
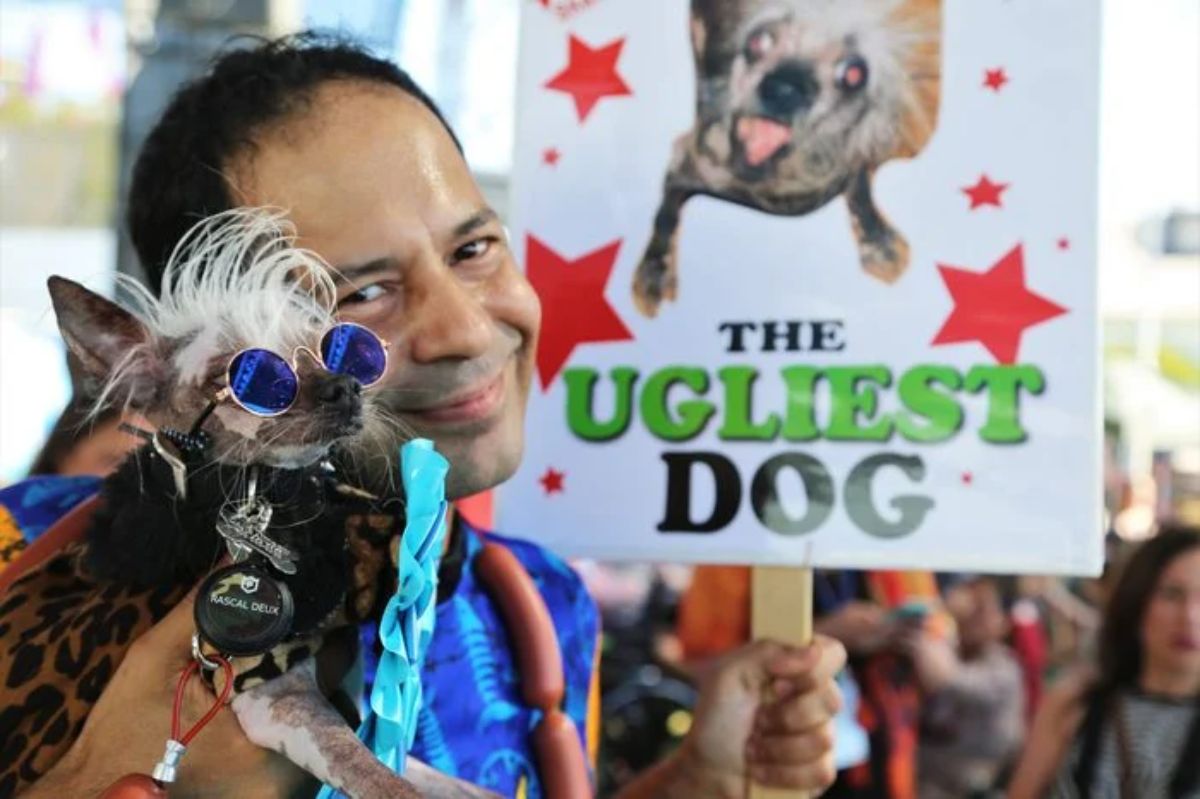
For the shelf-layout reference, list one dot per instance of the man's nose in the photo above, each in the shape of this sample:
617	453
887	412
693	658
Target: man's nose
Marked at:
447	320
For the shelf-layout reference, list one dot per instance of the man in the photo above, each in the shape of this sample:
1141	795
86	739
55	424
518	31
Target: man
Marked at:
376	184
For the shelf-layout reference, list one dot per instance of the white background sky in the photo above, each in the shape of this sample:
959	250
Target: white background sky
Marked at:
1150	108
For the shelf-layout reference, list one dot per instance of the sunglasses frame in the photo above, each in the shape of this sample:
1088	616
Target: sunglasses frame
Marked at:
226	393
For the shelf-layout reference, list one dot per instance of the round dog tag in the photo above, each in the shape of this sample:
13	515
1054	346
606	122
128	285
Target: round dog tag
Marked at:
242	610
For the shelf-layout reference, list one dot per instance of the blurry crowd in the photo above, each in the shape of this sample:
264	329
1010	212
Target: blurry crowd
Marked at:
959	686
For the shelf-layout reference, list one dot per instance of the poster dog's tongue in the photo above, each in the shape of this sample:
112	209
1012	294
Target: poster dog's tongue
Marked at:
761	138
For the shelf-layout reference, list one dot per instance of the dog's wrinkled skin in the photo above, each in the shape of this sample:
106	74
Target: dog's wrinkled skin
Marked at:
281	715
242	284
799	102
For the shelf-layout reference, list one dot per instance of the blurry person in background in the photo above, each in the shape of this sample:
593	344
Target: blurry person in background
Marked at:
80	447
1130	727
80	444
972	716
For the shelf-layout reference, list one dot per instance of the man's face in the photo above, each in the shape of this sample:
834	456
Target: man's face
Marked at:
375	186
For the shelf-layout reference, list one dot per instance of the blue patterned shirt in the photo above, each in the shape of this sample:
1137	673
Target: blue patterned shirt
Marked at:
474	724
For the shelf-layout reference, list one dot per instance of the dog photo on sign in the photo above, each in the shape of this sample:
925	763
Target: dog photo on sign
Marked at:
799	102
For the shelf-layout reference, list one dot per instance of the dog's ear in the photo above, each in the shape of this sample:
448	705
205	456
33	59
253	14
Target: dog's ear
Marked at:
104	342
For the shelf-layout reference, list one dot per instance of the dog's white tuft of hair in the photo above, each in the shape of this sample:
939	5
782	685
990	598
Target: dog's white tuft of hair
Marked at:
237	280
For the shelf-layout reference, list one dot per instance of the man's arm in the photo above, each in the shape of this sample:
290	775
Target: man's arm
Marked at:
674	778
128	728
67	779
784	742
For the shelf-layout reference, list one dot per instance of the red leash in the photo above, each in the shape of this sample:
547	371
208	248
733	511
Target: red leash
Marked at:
144	786
181	687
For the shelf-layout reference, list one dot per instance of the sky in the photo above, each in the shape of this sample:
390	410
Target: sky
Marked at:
1150	108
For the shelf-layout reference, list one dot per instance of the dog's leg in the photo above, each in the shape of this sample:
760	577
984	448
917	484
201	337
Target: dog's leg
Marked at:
289	715
882	250
657	277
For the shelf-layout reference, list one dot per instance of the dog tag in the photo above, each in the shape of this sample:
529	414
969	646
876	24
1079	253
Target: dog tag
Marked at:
242	610
244	528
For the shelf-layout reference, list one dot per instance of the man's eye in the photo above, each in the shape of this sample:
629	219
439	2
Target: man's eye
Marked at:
474	249
363	295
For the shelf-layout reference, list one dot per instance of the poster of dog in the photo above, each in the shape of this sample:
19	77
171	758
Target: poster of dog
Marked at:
794	110
818	281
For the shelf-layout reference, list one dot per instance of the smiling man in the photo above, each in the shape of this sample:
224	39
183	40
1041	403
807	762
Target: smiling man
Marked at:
375	183
420	258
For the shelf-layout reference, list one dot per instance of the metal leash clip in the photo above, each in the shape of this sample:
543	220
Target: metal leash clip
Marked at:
199	657
170	453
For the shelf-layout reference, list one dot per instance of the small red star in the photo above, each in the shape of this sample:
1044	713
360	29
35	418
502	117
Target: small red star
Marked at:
550	156
552	481
968	478
993	307
1064	243
995	79
590	75
574	309
985	192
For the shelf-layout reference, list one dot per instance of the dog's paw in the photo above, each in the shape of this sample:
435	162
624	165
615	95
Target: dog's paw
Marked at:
653	284
885	258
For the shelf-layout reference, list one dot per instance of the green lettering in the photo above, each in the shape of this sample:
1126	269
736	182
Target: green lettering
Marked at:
942	413
1004	384
739	402
691	415
800	418
849	399
581	384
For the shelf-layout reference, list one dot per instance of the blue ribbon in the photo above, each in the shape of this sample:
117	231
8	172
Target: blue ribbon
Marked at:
390	724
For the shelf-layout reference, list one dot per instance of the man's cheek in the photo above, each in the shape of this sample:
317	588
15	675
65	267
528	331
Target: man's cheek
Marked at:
512	299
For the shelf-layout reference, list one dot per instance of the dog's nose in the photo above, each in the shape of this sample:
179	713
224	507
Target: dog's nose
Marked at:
789	88
340	392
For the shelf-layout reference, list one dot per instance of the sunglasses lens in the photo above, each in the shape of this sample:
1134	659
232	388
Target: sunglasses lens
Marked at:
262	382
354	351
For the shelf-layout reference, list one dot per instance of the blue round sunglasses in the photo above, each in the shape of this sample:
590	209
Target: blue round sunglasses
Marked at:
265	383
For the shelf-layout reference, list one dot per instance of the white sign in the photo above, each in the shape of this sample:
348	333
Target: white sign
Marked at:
818	282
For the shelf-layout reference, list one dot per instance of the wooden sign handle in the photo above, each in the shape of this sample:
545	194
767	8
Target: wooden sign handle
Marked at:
781	611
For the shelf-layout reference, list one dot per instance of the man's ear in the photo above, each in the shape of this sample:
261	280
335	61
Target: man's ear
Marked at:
102	337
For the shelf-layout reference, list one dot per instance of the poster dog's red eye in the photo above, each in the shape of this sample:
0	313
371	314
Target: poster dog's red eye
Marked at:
759	44
852	73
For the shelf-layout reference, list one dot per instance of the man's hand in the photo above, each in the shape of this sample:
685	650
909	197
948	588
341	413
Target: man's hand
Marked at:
785	741
128	728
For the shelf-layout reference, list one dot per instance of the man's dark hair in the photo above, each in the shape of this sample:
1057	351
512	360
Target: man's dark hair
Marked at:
178	177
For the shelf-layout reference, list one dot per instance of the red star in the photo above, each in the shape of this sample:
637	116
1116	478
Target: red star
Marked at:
993	307
1064	243
552	481
985	193
590	75
995	79
968	478
550	156
574	310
